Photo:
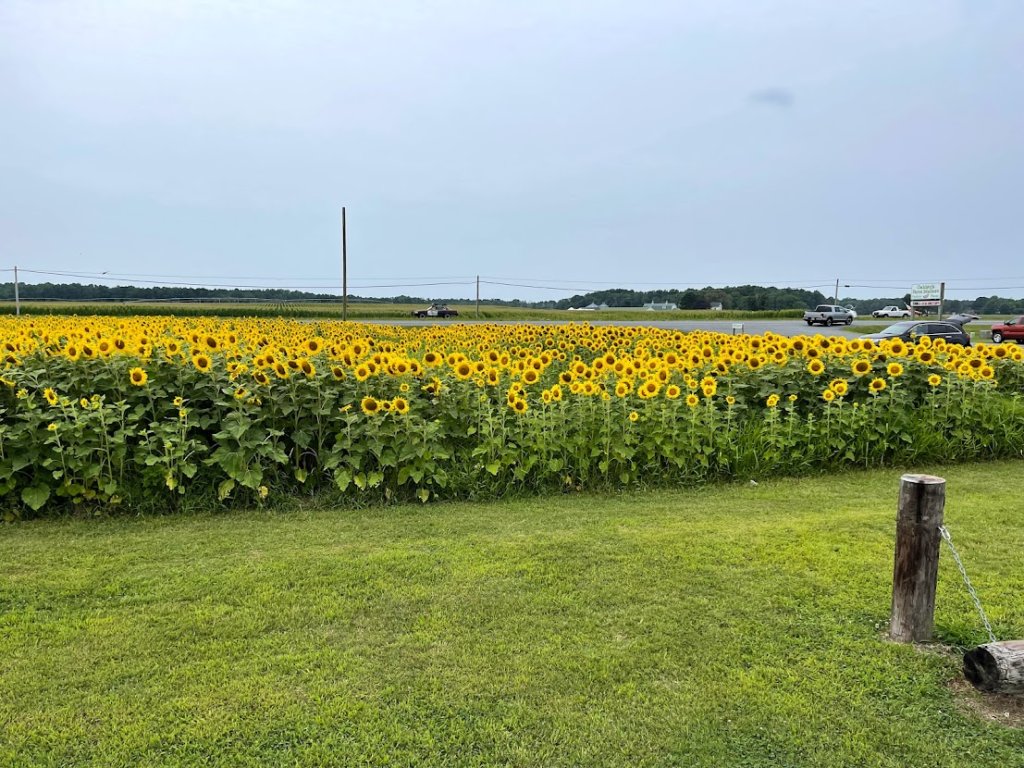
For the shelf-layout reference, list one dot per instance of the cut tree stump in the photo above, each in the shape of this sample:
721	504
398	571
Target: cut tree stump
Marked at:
996	667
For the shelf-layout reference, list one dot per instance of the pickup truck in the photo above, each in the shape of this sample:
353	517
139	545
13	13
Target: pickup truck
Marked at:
892	311
828	314
436	310
1009	330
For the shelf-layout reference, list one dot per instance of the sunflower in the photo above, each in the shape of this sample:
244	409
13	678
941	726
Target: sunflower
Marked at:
307	368
633	415
337	372
816	367
861	366
519	406
877	385
369	405
828	395
895	369
50	395
400	405
840	387
530	376
202	363
281	370
730	400
772	401
692	400
672	391
987	372
934	380
138	376
260	378
362	373
464	369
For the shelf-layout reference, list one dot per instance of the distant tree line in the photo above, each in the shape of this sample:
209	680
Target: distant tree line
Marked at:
743	297
739	298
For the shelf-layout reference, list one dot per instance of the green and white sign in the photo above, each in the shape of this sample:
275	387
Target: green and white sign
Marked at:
926	292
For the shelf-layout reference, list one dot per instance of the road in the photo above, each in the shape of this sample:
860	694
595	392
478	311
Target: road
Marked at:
755	327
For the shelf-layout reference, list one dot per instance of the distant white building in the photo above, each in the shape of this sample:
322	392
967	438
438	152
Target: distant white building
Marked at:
660	306
716	306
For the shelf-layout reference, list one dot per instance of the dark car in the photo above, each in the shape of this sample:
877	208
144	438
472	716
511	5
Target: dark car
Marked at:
962	318
912	330
1009	330
436	310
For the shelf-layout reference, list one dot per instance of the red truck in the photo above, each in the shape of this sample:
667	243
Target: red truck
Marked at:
1010	330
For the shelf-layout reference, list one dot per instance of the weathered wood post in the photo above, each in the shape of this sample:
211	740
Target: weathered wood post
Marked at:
996	667
916	568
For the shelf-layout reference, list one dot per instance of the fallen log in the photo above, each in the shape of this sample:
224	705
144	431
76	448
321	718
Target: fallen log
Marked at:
996	667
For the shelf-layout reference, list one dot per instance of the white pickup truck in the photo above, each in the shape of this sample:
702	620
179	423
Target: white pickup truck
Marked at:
828	314
892	311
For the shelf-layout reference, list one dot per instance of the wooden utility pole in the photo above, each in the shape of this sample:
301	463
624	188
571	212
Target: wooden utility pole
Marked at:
478	297
916	568
17	301
344	267
835	298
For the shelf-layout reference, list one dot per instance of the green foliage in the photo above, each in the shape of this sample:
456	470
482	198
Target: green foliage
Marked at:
102	443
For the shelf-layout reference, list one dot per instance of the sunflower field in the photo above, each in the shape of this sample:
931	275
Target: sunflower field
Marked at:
159	413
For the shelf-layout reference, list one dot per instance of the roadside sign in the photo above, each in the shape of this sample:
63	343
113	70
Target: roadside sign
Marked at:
926	292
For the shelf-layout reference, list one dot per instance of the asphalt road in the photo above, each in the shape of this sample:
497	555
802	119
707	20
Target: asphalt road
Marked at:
756	327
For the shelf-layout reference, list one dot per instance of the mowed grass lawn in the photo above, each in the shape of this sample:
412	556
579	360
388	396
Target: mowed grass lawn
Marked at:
728	626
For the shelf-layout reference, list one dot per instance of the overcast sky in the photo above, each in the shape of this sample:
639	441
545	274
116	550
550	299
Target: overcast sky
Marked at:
571	144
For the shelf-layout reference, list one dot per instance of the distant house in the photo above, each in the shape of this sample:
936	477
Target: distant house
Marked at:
716	306
659	306
594	307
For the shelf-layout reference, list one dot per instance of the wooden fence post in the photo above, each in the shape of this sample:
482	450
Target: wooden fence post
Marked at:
916	568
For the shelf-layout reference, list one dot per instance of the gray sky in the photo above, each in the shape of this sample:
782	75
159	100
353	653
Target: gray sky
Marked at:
574	144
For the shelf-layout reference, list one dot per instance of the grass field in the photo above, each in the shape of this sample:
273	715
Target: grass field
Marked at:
730	626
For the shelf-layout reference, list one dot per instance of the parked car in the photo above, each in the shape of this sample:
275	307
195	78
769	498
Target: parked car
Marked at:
828	314
1009	330
435	310
891	311
912	330
852	311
